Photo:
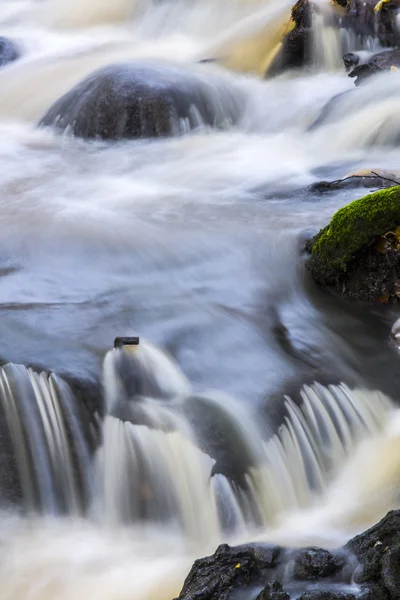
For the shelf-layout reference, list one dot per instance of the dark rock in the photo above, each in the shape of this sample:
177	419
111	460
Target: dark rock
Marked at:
296	45
383	61
316	563
358	253
351	60
373	592
371	547
273	591
321	595
391	572
8	51
214	577
142	101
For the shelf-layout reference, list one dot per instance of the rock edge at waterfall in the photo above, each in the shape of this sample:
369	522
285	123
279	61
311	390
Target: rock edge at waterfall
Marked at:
358	253
367	567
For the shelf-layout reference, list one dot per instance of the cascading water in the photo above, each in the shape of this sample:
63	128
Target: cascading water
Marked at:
194	241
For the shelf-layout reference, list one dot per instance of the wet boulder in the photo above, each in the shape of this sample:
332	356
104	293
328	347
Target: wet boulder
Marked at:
231	568
296	48
313	563
137	100
273	591
371	548
358	253
8	51
383	61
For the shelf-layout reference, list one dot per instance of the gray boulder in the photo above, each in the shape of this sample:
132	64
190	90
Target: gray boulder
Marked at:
137	100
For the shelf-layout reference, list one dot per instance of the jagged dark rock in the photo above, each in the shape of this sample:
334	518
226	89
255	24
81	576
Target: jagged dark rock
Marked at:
383	61
8	51
137	100
273	591
296	45
371	546
313	563
214	577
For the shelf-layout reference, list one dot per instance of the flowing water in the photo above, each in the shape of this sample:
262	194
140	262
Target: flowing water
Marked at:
277	418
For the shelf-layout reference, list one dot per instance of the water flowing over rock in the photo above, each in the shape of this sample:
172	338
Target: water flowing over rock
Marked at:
144	101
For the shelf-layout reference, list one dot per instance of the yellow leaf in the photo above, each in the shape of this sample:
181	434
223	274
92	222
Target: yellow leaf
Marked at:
238	566
379	5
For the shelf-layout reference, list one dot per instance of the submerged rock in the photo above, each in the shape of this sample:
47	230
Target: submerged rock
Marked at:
358	253
214	577
143	101
273	591
8	51
312	563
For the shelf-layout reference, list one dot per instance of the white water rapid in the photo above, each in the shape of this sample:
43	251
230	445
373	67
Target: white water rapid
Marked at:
263	409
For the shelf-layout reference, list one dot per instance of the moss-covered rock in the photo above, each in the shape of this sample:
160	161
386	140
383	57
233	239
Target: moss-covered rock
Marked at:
351	255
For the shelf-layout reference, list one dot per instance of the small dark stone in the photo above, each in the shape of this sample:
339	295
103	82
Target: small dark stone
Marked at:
273	591
316	563
8	51
351	60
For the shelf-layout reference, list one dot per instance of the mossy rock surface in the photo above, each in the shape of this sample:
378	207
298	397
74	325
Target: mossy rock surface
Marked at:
345	253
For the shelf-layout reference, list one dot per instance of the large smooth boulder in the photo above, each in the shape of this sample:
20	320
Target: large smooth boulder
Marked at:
137	100
8	51
358	253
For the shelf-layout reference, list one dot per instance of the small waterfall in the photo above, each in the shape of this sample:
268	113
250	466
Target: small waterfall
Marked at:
314	443
201	464
327	50
197	464
50	447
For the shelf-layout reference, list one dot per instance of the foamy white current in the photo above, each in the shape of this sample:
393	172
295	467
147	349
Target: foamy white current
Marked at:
194	243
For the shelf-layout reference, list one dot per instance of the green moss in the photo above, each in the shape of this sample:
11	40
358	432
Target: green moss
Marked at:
353	228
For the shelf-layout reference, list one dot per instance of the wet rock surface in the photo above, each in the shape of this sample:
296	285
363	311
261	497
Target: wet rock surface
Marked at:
144	101
273	591
371	559
311	563
383	61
